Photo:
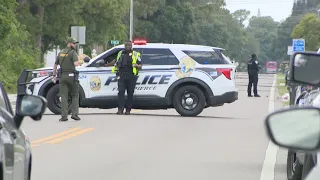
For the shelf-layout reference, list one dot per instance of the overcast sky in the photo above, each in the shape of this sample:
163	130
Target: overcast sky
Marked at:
277	9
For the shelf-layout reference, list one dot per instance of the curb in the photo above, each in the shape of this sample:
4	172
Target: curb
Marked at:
12	98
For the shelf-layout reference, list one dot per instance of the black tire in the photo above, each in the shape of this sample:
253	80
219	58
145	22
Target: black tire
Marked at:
53	100
197	97
294	167
308	165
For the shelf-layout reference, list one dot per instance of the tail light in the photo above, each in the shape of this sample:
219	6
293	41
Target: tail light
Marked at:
226	72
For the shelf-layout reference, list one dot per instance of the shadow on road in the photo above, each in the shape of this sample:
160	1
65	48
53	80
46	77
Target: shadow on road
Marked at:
153	115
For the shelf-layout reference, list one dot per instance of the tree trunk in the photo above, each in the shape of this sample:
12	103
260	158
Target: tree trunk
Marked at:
39	36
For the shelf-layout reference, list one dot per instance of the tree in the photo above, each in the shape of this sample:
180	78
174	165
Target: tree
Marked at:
17	51
49	21
283	39
241	15
308	29
264	29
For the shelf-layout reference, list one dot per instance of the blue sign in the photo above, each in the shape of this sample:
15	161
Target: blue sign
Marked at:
298	45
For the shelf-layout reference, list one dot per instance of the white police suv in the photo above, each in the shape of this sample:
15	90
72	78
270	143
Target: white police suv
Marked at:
188	78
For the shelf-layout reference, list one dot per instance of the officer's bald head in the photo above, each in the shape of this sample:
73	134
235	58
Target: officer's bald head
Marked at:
128	45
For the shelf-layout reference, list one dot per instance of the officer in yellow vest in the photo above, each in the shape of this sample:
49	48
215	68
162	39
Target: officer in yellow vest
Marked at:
127	65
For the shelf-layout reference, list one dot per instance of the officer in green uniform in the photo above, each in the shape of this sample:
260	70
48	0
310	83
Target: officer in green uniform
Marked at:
68	60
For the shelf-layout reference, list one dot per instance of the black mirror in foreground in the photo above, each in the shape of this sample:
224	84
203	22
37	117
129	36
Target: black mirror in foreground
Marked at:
296	128
305	68
29	105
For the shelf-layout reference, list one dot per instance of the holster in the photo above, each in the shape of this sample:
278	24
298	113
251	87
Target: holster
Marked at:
59	72
75	76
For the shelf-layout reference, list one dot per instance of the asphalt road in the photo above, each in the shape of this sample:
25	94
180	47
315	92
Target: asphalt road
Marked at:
222	143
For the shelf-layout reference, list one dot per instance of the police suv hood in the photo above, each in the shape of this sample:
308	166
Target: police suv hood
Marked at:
51	68
45	68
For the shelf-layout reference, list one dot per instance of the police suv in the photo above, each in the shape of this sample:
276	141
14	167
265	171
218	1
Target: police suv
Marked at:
188	78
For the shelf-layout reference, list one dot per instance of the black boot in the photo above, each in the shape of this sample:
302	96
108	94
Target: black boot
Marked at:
127	111
75	118
63	119
120	111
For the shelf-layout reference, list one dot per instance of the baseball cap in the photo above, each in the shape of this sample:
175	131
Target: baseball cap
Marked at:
72	40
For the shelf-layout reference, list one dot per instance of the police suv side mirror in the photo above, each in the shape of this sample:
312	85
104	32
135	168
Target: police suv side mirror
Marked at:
29	105
296	128
304	68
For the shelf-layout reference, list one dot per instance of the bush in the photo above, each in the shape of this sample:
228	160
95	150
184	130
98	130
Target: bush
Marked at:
16	50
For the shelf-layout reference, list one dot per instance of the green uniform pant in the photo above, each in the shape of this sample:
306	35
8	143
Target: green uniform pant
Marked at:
68	84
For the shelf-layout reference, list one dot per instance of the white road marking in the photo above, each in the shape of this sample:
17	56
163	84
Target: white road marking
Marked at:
270	159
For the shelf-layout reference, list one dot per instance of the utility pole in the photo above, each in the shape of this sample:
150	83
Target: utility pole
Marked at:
131	19
318	13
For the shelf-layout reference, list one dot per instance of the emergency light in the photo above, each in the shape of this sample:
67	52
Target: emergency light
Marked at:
140	42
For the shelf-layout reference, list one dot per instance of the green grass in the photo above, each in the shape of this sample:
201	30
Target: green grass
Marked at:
282	89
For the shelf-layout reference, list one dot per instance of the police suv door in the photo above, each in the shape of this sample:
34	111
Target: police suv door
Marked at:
6	143
158	72
99	81
7	129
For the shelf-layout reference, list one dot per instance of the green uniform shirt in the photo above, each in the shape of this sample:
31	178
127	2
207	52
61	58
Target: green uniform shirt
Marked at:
66	61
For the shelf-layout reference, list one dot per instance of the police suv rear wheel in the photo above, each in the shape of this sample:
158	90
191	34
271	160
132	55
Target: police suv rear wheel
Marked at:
54	100
189	101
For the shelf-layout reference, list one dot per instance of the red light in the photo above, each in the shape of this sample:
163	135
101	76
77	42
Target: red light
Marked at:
140	42
226	72
42	73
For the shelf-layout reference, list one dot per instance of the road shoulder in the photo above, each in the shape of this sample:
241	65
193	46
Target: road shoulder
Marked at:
280	169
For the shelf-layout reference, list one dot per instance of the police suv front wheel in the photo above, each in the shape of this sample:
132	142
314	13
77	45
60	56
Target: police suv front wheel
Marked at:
189	101
54	100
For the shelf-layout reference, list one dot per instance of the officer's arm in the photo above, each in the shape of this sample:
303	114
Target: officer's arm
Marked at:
55	65
256	65
139	62
111	63
75	59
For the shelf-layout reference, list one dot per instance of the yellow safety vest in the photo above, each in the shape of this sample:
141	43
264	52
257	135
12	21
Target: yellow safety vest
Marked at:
135	56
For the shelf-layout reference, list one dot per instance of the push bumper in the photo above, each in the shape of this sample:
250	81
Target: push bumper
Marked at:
228	97
24	82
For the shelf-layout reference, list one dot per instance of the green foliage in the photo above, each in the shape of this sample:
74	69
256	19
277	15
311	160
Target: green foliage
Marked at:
308	29
17	51
50	21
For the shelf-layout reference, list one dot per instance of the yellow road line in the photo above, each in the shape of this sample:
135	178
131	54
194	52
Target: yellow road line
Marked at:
57	140
54	136
136	110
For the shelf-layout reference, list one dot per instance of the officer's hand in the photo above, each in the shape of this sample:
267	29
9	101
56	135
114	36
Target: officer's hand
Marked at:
54	80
